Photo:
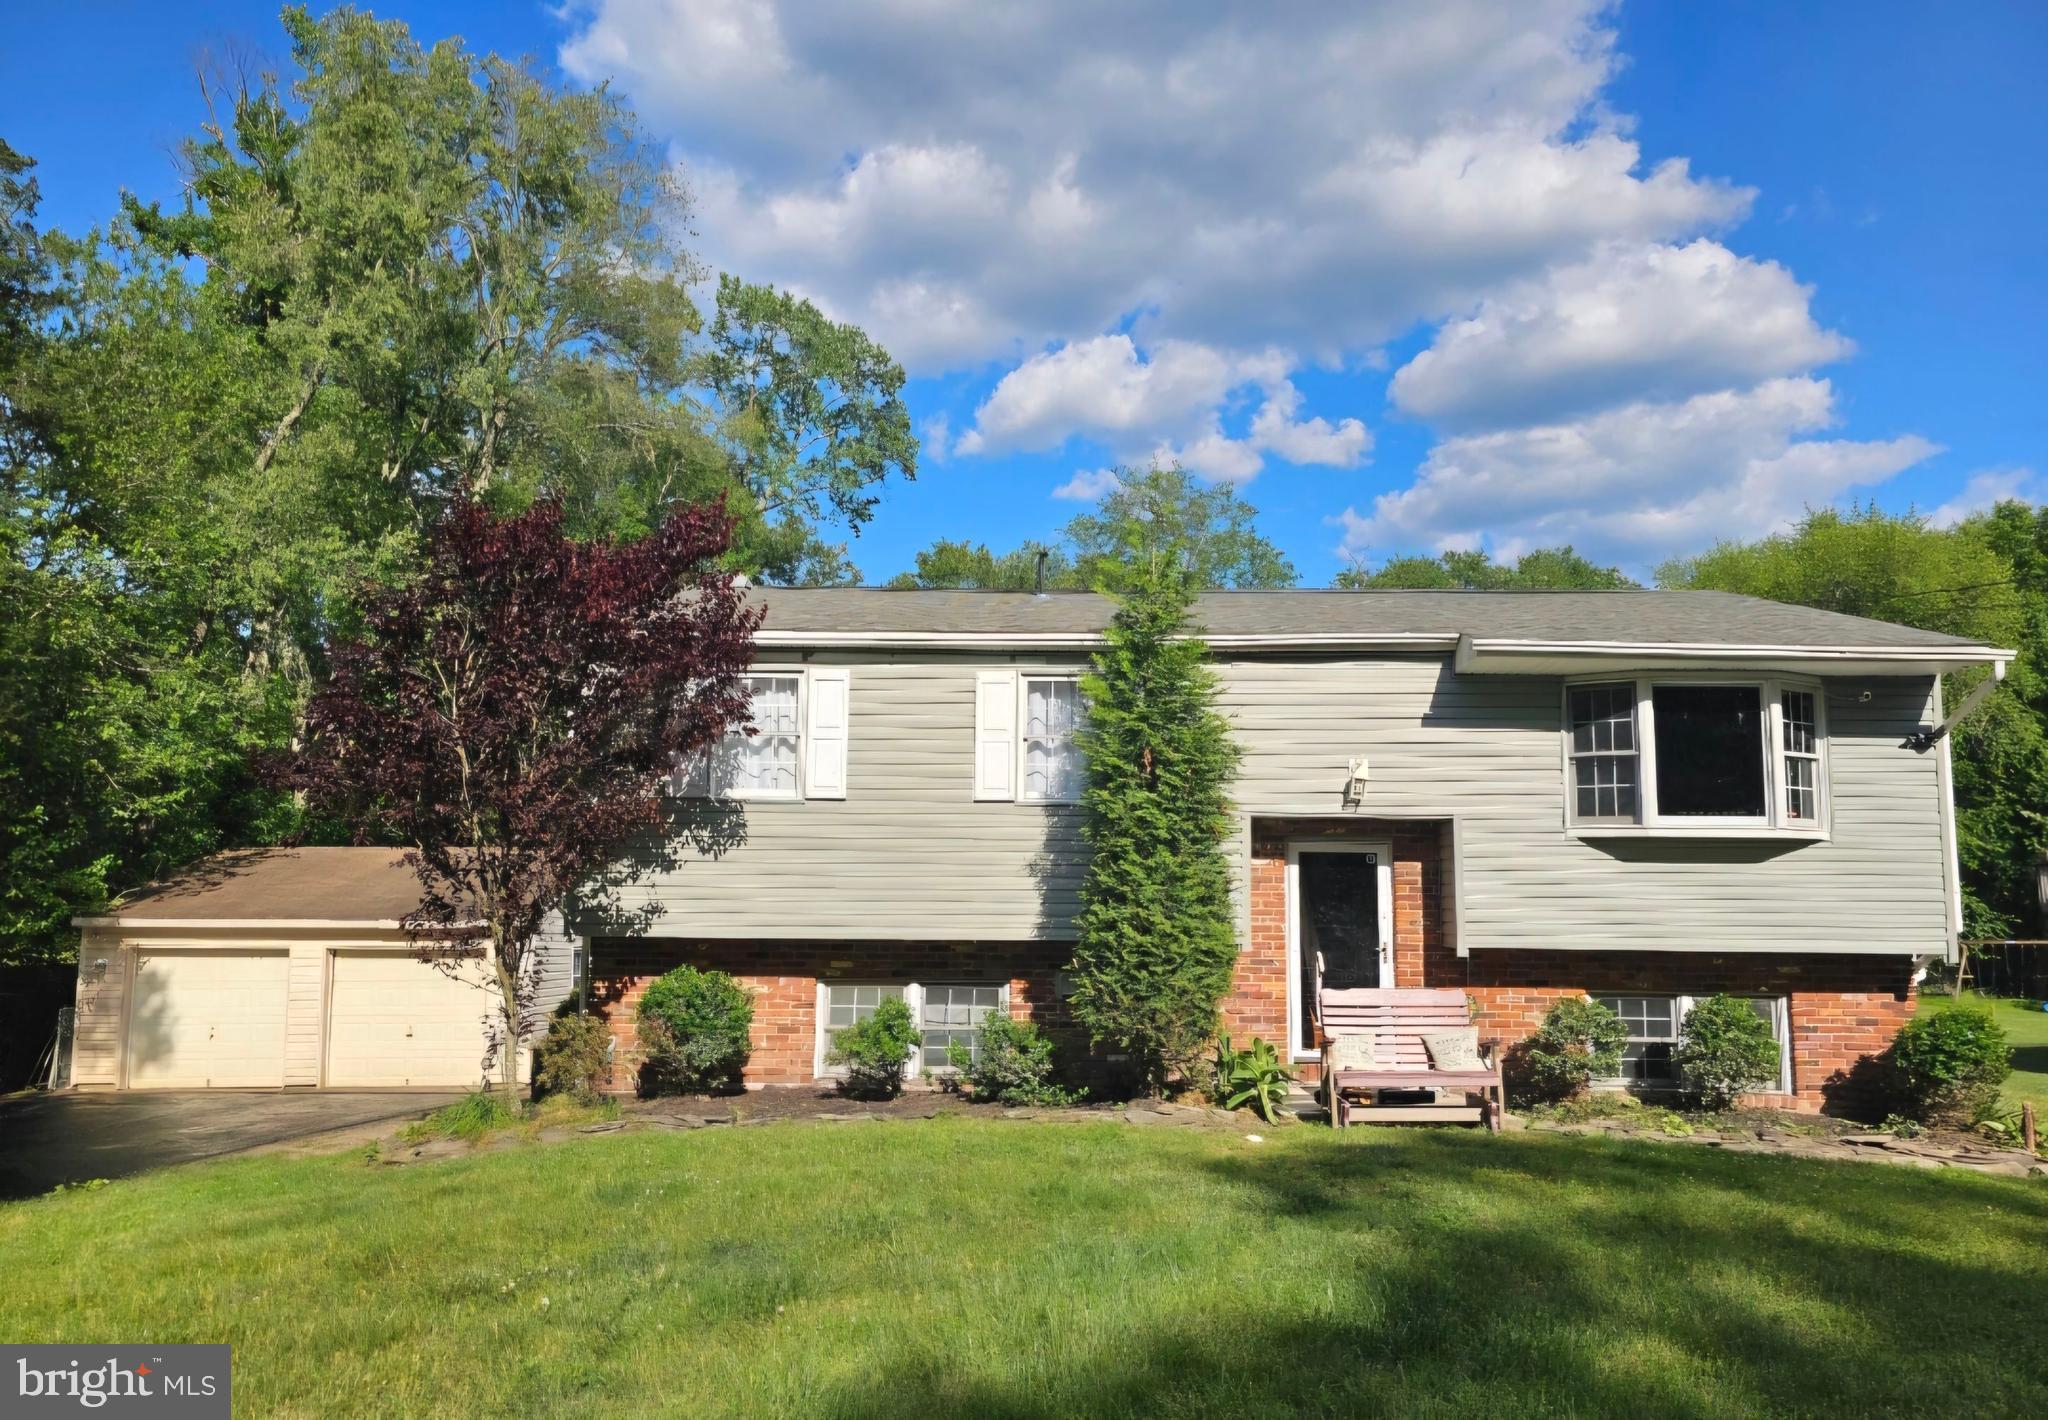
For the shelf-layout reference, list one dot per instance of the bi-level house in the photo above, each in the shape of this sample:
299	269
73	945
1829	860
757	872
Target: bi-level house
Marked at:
1645	796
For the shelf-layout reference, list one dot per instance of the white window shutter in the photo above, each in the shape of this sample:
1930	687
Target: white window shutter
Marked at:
825	734
689	775
995	734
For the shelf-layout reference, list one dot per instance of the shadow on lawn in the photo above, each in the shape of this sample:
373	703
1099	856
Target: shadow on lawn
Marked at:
1458	1276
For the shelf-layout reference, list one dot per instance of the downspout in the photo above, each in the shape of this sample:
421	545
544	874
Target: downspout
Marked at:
1940	737
1927	739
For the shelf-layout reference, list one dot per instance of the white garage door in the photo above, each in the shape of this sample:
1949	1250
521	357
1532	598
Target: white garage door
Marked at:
207	1018
395	1020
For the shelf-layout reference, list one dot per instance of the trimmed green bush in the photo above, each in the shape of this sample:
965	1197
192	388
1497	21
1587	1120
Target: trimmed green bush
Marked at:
694	1030
1724	1050
1011	1063
1579	1039
875	1050
575	1059
1950	1064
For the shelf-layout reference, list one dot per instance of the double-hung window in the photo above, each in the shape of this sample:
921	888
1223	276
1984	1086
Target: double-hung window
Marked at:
945	1013
1052	762
1025	723
1696	754
1800	714
952	1015
1657	1023
1652	1023
761	763
794	747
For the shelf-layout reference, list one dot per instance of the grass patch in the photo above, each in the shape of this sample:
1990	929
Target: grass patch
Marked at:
472	1117
566	1111
2026	1026
963	1266
476	1117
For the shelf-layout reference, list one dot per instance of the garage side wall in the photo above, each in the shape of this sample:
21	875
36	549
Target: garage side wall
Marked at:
102	1002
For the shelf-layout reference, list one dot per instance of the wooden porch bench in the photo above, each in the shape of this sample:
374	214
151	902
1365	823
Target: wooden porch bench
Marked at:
1397	1020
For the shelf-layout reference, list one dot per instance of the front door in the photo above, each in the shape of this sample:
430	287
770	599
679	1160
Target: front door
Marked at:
1342	911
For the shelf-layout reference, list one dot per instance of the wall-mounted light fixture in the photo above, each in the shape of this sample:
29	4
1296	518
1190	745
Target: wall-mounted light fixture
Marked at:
1354	783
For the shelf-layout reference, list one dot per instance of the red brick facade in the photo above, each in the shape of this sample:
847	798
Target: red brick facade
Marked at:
1843	1010
784	978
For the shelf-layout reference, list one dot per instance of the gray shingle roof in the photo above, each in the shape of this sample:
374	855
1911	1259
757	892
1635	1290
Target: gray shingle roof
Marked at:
1636	617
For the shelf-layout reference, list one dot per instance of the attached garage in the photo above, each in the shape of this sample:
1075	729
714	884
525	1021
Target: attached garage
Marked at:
207	1019
394	1020
286	968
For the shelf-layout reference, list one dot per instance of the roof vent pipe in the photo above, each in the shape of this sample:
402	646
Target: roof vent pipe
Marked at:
1042	555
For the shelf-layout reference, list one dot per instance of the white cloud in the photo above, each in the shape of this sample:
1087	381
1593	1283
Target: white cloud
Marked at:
973	186
1162	405
1630	324
1100	386
1145	217
1638	482
1310	441
1088	485
1984	488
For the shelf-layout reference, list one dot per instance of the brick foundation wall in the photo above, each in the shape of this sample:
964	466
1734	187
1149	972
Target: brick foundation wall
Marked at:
1844	1010
784	978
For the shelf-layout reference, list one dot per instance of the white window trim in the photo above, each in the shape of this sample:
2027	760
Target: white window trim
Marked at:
1774	821
942	1067
1681	1006
1024	678
913	997
1297	1048
688	771
796	793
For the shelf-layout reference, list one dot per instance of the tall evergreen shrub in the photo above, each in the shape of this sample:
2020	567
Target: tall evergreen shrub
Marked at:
1156	941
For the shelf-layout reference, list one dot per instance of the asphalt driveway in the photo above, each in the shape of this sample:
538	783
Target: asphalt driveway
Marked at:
69	1137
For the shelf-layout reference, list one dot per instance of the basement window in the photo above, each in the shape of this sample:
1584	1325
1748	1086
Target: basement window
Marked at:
1656	1024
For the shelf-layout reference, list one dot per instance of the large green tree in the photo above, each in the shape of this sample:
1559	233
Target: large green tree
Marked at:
1155	940
1986	580
1545	569
1159	511
400	274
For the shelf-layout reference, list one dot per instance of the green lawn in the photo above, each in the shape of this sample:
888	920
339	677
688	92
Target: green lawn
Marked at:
2026	1026
975	1267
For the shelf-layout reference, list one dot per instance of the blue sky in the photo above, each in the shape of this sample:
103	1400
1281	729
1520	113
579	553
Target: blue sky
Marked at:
1635	278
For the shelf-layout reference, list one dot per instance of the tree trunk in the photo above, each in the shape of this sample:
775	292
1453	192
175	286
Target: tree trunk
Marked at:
510	1004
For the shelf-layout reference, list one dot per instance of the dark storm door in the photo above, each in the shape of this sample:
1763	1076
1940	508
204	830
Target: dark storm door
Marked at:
1342	914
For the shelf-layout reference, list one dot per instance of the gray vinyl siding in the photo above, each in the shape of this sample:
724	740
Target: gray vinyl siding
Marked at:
909	855
1486	751
554	948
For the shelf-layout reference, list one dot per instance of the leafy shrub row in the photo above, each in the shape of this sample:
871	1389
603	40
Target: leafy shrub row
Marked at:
1011	1063
1724	1049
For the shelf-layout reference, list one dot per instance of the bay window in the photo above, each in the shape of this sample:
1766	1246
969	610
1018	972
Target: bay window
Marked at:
1695	754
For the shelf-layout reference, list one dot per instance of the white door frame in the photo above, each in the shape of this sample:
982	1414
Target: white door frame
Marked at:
1383	891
